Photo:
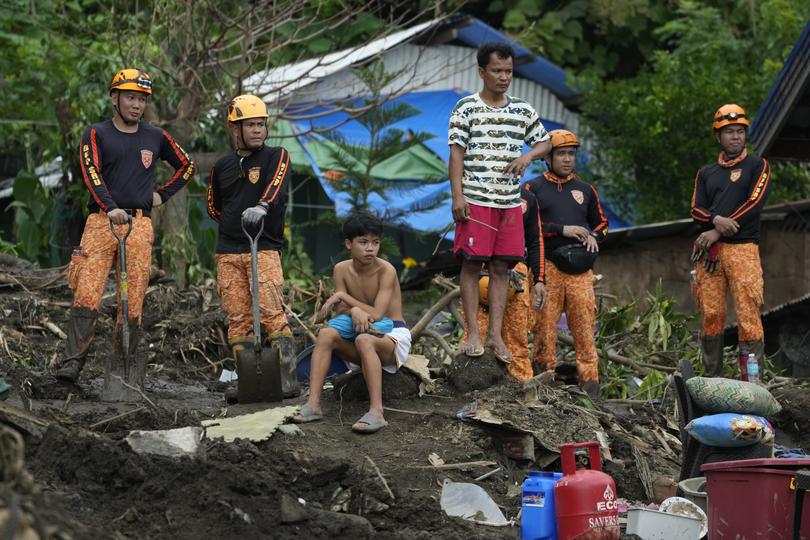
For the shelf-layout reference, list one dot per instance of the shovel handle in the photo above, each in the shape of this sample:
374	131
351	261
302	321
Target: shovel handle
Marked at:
254	289
123	285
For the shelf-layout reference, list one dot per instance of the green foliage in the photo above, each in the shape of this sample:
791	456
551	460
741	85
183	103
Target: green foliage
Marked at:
32	218
654	130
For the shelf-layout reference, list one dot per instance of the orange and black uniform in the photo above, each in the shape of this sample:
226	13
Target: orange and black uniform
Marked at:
517	314
736	189
238	183
562	202
119	170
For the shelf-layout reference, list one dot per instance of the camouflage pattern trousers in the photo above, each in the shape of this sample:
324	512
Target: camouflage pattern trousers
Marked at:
88	270
739	270
234	281
574	295
515	332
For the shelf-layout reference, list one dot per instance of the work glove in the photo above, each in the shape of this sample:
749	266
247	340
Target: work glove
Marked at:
697	253
516	279
713	258
253	216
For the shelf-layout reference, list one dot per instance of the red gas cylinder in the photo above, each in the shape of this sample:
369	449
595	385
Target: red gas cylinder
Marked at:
586	498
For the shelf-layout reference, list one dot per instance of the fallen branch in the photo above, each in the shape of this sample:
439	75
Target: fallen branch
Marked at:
380	476
55	330
405	411
642	368
117	416
456	465
295	316
441	341
420	326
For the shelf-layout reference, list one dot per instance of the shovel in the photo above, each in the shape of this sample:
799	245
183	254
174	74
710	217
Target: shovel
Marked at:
119	369
258	370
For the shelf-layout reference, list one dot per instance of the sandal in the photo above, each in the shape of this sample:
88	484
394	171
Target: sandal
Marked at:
306	415
373	423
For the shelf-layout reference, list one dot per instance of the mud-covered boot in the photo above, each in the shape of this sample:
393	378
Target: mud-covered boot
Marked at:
290	387
237	344
591	388
712	355
757	347
80	330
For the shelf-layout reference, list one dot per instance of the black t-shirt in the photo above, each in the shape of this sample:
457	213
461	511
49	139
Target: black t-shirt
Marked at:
119	168
567	202
533	236
238	183
739	192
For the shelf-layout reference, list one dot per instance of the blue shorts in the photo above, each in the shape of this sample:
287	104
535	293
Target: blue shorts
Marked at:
343	324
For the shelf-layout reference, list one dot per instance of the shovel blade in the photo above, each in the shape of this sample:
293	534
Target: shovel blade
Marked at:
119	370
259	378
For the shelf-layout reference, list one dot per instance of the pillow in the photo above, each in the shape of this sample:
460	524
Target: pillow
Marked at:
731	430
717	395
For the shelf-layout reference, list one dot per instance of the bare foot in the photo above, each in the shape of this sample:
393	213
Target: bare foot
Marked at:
472	347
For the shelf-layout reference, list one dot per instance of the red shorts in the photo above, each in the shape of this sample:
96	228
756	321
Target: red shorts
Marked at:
476	242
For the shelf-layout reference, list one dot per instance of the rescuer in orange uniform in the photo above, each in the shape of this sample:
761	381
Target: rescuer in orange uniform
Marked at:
727	202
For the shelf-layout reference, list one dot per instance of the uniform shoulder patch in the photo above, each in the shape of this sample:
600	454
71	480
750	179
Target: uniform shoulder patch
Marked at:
253	174
578	196
146	158
736	174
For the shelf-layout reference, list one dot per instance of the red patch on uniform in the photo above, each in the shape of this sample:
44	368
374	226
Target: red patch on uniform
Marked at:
736	174
524	206
146	158
253	174
578	196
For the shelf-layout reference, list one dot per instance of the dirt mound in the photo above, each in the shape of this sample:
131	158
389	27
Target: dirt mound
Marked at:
466	374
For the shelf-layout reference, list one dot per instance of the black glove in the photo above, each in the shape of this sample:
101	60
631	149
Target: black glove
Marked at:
713	258
697	253
254	215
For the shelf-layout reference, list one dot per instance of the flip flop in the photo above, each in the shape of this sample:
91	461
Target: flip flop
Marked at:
306	415
505	358
475	352
373	424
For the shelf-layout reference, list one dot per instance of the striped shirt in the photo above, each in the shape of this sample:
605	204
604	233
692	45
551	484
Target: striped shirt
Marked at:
493	137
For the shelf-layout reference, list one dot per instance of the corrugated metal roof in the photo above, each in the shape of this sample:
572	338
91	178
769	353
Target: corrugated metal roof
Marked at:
781	128
279	84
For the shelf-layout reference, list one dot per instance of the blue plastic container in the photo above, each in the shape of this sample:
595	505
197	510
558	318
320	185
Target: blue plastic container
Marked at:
538	520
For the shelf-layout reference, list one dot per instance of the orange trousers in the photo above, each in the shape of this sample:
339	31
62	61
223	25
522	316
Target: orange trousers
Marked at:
739	270
234	281
574	295
515	332
88	271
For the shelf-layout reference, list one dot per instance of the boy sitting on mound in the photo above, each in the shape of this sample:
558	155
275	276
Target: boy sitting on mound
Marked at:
367	330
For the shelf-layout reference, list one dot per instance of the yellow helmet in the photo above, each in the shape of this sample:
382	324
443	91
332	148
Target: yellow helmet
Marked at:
730	114
483	290
246	106
132	79
560	138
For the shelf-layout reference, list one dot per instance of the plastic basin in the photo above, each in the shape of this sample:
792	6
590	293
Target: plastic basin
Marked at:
655	525
694	489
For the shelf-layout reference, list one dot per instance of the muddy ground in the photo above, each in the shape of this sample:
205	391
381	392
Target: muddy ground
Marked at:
88	483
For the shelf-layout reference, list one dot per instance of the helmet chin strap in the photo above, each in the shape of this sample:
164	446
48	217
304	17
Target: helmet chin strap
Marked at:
240	141
121	116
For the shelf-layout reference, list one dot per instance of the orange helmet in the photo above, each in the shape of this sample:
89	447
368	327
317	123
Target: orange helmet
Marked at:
132	79
560	138
730	114
483	290
246	106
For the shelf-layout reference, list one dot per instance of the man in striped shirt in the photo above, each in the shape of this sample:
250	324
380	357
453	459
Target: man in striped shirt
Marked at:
486	136
727	202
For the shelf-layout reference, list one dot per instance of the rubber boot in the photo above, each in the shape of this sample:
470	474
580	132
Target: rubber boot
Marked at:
290	387
747	347
237	344
712	355
80	332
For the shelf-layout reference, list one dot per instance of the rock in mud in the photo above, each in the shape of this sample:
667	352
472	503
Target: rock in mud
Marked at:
400	385
466	374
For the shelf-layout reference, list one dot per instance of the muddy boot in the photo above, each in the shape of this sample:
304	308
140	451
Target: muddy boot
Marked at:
237	344
747	347
80	331
712	355
289	381
591	388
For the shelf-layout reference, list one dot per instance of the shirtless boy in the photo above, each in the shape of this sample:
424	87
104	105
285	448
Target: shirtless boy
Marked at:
367	331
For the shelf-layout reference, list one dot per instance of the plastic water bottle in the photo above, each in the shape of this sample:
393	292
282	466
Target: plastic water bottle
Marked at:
753	369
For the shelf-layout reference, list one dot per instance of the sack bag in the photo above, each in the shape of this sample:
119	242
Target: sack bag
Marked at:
731	430
573	259
718	395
